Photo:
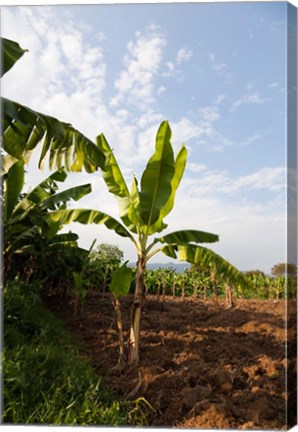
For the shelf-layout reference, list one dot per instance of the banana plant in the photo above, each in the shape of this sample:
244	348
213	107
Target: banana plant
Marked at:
206	258
183	282
119	287
142	210
79	282
24	214
23	129
194	279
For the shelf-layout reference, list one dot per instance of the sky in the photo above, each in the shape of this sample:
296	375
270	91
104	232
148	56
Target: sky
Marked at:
215	71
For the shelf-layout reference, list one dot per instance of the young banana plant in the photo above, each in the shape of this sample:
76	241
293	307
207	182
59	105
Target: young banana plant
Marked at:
119	287
142	210
220	269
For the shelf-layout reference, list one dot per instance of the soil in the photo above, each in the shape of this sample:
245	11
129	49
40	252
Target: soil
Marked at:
201	365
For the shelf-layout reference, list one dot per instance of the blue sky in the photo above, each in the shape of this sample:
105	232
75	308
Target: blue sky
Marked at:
216	71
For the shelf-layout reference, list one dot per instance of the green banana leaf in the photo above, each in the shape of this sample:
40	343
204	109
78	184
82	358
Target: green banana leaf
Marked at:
180	163
199	255
188	236
14	182
46	188
24	128
64	238
75	193
11	53
121	281
87	216
116	184
21	241
112	174
46	197
157	178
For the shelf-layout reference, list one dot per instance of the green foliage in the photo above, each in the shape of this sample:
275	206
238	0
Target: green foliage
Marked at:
25	216
87	216
11	53
108	253
45	380
206	258
14	182
188	236
121	281
283	269
157	177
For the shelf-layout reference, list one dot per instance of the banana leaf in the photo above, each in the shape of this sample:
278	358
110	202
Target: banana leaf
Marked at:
157	178
11	53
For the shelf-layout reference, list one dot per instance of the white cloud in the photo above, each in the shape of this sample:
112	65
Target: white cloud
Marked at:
219	67
196	167
251	139
247	99
214	182
185	130
272	179
161	90
210	113
183	55
211	57
135	83
273	85
218	100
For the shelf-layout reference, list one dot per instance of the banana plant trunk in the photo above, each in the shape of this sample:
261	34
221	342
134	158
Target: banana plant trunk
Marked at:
174	289
230	302
183	291
195	289
120	329
134	347
214	287
158	291
164	286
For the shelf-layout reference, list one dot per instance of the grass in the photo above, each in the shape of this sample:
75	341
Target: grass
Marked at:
45	381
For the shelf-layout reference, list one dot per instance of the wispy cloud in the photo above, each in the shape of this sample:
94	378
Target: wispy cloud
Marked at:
183	55
213	182
135	83
161	90
218	100
173	69
273	85
247	99
219	67
211	57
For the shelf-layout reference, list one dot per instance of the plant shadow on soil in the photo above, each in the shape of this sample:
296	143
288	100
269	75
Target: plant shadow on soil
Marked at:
201	366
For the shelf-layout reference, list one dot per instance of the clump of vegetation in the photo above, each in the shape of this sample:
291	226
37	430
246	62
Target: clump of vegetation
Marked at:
45	384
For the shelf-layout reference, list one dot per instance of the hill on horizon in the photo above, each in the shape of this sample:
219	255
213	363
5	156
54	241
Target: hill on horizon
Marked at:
179	267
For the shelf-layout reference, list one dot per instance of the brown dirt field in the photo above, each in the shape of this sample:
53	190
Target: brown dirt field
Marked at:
201	366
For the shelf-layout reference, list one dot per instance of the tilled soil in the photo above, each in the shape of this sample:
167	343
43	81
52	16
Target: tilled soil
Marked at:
201	366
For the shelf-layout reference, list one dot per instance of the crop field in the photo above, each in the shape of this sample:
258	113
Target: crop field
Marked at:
201	366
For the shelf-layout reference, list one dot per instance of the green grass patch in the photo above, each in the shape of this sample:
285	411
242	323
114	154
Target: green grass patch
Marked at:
45	381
